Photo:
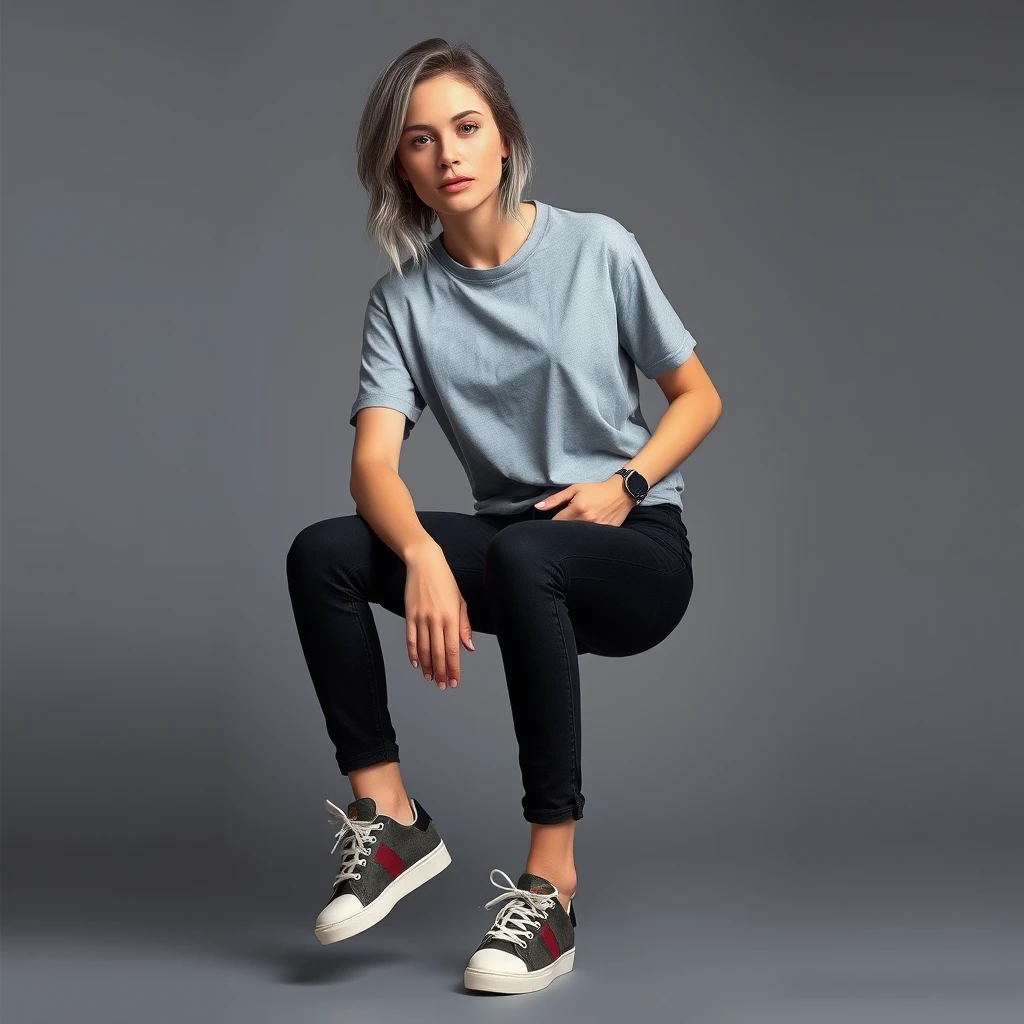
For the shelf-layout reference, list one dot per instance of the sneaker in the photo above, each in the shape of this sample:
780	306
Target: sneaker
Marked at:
532	941
382	860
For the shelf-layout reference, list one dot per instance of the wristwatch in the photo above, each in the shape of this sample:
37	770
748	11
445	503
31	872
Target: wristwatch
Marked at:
633	484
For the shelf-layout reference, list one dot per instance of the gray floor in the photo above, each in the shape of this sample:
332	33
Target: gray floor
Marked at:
736	943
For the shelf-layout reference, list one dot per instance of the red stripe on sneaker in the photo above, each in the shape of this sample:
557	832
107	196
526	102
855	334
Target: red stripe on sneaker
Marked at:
389	860
550	941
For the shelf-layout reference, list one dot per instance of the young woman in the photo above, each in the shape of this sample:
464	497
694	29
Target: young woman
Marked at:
521	326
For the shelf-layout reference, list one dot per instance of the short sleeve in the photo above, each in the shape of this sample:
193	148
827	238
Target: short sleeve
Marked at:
649	328
384	378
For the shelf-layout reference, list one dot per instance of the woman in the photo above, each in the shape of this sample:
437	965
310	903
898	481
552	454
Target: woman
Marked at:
520	326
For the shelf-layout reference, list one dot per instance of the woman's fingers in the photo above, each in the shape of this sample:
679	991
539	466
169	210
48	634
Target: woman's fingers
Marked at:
465	631
444	652
451	650
410	643
423	647
433	644
437	651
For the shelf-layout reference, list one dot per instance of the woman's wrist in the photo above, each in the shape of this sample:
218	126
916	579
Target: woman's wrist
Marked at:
420	548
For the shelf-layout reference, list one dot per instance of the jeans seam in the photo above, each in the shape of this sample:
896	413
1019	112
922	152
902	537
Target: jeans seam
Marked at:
568	686
604	579
624	561
369	661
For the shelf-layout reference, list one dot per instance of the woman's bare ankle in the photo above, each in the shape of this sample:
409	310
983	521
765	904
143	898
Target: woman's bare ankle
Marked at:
400	810
397	807
383	783
551	856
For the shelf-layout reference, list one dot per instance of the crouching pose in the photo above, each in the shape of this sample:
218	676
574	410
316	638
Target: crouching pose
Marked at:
521	326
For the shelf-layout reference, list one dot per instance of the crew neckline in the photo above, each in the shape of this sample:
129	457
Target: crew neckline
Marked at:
513	263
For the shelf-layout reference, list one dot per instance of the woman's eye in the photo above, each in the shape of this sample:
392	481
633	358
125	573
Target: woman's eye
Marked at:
467	124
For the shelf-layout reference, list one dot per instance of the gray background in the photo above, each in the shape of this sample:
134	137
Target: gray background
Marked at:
830	196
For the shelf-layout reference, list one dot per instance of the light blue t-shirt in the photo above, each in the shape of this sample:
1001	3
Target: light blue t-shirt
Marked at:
529	367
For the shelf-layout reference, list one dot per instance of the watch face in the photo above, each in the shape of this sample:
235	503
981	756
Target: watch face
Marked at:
636	485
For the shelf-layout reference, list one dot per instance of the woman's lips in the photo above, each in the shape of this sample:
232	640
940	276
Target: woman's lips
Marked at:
457	186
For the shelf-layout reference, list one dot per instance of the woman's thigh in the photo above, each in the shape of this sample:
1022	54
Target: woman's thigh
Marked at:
625	587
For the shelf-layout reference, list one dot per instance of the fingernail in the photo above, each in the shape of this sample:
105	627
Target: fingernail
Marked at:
471	647
541	504
441	685
415	664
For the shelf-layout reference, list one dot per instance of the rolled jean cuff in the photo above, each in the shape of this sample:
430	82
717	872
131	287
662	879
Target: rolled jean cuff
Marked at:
554	817
364	760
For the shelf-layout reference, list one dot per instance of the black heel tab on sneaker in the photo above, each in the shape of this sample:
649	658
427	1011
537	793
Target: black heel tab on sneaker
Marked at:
422	818
572	912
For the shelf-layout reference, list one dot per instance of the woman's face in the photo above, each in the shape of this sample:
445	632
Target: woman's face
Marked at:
449	131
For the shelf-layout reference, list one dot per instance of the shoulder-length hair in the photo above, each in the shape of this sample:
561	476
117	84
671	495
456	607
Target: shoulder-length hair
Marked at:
397	216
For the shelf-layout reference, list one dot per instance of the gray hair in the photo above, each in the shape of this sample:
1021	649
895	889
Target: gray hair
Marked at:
397	216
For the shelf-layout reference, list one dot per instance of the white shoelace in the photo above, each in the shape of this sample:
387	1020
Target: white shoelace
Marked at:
524	912
355	839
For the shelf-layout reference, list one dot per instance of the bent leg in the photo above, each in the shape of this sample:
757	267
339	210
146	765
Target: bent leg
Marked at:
621	590
330	569
336	568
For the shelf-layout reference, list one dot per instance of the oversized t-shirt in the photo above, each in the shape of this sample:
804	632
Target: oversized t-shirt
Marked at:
529	367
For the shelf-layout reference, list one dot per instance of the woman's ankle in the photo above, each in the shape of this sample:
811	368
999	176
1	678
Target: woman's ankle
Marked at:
562	877
383	782
551	856
399	808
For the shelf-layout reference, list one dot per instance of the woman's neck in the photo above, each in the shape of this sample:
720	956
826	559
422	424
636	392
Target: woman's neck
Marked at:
480	241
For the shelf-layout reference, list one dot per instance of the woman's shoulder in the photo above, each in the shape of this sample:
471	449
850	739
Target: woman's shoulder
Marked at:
598	234
393	287
592	224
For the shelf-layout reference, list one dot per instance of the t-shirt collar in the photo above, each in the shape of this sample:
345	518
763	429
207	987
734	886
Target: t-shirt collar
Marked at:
514	262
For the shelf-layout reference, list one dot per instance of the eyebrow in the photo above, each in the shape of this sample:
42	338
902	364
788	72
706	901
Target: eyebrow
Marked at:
428	127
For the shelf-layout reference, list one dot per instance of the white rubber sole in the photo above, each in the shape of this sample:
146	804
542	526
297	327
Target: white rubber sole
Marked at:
412	878
532	981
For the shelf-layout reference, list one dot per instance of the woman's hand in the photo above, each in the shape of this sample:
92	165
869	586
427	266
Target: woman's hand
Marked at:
436	619
603	502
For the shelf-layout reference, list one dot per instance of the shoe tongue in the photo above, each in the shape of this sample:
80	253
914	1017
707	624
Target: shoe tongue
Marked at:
534	883
363	809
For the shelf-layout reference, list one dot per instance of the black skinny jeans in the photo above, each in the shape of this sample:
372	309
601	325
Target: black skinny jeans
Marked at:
548	589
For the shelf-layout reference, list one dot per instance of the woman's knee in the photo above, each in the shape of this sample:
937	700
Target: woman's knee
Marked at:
513	549
332	542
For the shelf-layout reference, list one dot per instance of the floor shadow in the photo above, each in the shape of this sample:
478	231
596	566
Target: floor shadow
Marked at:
288	964
286	955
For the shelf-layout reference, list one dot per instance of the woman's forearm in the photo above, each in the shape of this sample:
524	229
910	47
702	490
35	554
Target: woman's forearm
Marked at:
684	424
383	500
